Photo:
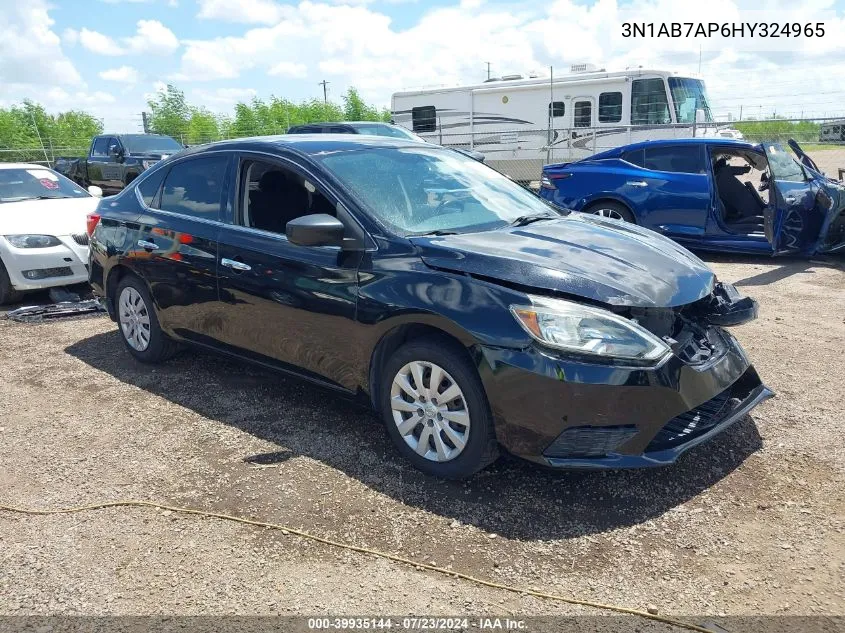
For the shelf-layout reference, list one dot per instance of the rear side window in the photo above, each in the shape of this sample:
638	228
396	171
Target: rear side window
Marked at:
610	107
682	159
149	187
635	157
583	113
424	119
195	187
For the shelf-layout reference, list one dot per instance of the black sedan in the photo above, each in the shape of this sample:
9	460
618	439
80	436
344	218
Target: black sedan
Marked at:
468	312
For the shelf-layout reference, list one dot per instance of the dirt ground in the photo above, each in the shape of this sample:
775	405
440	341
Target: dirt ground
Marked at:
749	523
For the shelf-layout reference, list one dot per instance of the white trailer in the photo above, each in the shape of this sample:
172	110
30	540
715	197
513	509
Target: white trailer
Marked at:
521	123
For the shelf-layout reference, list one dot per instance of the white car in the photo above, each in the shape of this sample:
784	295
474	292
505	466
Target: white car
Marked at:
43	236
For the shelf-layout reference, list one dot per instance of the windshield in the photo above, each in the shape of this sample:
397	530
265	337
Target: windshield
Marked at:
689	95
36	183
149	143
417	190
783	165
393	131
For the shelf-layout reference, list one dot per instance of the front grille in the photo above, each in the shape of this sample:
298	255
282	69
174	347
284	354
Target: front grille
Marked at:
46	273
704	417
590	441
80	238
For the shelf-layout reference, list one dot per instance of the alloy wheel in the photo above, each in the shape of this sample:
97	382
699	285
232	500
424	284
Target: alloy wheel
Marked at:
430	411
134	319
609	213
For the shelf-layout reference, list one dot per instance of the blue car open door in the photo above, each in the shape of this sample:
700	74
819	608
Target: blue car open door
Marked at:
791	223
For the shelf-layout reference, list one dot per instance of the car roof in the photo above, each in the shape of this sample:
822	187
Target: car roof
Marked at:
616	151
23	166
309	144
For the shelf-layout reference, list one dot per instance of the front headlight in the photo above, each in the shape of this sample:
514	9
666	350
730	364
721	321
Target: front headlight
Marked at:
32	241
581	329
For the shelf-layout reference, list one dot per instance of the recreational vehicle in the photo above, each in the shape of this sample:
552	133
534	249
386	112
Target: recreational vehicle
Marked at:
521	123
832	131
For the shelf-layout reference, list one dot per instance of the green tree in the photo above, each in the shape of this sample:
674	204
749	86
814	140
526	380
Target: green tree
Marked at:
169	113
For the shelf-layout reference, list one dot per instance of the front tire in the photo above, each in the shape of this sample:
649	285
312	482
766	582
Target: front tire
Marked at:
8	294
138	323
436	411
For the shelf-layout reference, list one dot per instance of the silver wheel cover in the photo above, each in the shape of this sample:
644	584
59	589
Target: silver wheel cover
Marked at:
430	411
134	319
609	213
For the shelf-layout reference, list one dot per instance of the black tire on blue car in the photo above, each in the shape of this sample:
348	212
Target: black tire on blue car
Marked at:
435	409
611	209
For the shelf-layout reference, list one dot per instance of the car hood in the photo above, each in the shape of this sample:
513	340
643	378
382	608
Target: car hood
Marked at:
582	255
153	155
64	216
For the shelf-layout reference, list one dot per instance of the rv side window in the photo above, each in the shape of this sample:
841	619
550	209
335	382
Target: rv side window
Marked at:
557	108
610	107
649	105
679	159
583	113
424	119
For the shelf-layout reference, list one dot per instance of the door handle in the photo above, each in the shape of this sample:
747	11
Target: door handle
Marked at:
637	183
147	246
235	264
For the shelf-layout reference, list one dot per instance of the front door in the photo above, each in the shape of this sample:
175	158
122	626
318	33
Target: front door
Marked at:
791	222
287	305
176	247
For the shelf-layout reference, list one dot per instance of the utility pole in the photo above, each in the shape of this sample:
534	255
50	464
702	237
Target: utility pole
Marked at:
324	83
146	122
740	112
488	70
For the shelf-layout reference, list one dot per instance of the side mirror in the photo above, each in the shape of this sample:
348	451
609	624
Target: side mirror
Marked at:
95	191
318	229
700	116
116	152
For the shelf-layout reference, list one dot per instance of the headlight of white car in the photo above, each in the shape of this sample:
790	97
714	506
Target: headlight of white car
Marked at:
581	329
33	241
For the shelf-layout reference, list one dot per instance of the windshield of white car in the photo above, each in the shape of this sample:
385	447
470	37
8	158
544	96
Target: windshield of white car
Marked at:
420	190
36	183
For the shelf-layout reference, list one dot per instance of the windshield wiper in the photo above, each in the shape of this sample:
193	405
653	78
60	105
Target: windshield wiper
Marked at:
437	232
533	217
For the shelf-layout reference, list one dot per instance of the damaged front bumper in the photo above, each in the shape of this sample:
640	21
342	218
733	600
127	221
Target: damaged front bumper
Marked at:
560	412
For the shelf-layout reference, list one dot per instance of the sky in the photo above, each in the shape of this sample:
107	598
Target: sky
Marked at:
109	57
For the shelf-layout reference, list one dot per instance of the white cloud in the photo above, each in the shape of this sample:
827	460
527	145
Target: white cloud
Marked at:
151	37
30	52
124	74
99	43
246	11
288	69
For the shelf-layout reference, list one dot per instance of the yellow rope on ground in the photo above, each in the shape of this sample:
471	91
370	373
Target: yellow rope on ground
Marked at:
363	550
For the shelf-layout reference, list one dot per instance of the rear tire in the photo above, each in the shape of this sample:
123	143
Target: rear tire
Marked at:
138	323
611	209
443	429
7	292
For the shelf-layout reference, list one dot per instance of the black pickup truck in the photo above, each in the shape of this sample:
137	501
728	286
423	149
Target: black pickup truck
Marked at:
115	160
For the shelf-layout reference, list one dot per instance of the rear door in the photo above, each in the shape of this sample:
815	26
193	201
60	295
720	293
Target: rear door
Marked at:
791	221
176	249
287	305
672	192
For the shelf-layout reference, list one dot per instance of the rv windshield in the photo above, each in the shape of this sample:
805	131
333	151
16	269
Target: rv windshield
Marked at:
422	190
689	95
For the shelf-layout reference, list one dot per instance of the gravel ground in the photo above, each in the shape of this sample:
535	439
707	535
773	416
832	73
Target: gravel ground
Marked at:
750	523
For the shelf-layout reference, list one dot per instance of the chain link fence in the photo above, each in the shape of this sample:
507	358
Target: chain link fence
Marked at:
521	153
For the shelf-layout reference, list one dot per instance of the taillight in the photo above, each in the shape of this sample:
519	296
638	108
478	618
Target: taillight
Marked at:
546	181
92	221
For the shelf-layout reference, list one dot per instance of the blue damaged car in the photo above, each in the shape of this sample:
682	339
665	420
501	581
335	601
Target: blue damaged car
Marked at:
709	194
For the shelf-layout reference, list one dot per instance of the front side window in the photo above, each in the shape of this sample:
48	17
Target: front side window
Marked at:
782	164
100	148
610	107
194	187
424	119
36	184
681	159
649	105
417	189
583	113
689	95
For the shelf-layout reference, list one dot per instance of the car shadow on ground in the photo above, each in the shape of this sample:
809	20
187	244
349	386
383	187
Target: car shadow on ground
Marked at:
784	266
512	498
